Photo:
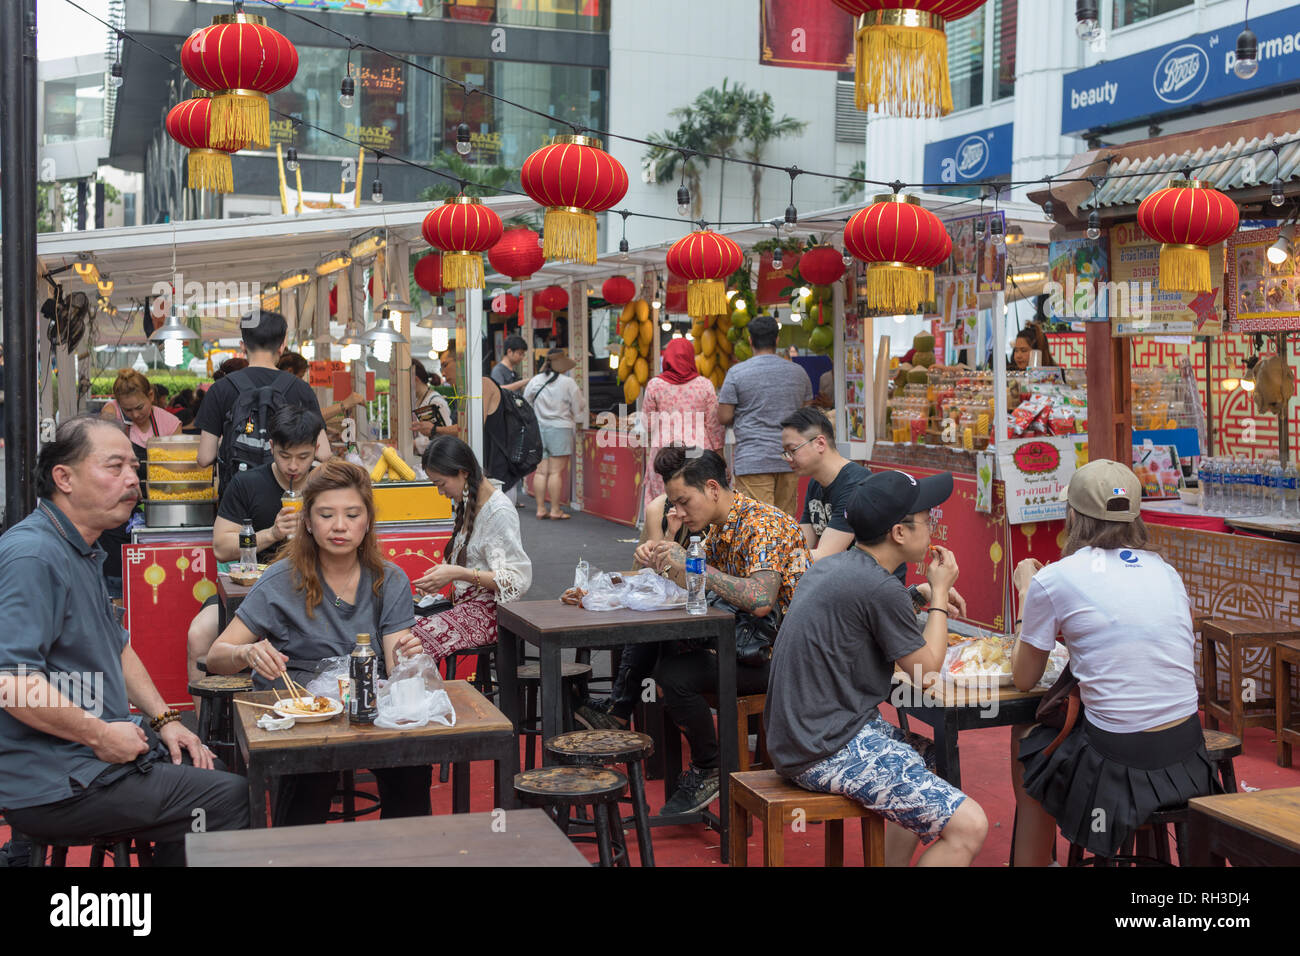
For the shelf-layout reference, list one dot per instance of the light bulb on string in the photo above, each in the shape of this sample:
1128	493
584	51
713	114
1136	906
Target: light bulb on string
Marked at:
377	191
115	76
1276	198
791	215
622	249
995	231
463	144
666	326
1047	211
1094	225
778	258
291	159
1246	63
347	92
847	259
683	200
1087	20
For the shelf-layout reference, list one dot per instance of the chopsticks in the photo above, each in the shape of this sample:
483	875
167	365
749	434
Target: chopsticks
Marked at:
297	691
253	703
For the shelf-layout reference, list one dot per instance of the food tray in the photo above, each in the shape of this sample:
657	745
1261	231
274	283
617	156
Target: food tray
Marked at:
180	471
181	491
173	448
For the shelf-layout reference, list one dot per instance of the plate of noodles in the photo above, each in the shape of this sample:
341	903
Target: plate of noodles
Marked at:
308	710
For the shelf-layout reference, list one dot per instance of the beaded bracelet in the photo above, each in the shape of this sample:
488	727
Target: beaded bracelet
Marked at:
163	719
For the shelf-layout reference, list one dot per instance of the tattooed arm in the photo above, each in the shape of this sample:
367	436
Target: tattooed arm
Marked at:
755	594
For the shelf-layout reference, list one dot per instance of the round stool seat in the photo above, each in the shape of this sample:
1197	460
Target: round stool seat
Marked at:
216	685
600	747
533	671
1221	746
570	786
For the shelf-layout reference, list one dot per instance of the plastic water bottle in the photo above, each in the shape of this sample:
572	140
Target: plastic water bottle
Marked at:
1205	480
247	547
1290	491
696	602
1274	488
1259	485
1228	493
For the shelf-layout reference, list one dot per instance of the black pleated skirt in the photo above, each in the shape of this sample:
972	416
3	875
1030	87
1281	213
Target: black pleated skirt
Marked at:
1102	786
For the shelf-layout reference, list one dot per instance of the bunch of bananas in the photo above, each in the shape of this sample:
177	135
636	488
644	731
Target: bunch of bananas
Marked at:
633	362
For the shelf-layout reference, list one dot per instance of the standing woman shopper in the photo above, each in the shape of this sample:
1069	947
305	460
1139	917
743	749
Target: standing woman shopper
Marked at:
680	407
1137	747
485	561
557	400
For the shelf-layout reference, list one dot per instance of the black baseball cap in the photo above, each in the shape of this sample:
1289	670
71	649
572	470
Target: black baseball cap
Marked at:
887	497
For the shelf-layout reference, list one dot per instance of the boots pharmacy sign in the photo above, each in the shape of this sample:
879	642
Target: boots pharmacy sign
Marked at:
1180	75
976	157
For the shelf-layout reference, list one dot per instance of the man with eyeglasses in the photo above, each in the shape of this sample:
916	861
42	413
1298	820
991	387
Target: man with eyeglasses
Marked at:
849	624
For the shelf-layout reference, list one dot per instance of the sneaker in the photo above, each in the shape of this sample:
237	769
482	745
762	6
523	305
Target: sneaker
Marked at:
696	789
594	718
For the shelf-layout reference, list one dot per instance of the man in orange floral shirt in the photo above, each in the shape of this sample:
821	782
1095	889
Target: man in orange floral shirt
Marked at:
754	557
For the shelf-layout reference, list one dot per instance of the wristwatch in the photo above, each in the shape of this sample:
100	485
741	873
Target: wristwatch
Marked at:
918	600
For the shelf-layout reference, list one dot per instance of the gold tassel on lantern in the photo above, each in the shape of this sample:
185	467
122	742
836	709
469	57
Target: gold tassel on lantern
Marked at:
462	270
927	277
706	297
569	233
894	288
902	64
1184	268
210	169
242	115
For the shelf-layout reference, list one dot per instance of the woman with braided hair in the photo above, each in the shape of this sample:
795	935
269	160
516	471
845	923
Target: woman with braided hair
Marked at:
485	561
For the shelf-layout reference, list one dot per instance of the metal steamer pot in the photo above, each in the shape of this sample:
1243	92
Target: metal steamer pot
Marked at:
179	514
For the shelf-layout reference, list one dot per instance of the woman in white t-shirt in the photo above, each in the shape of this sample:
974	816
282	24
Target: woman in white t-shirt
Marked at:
1125	618
557	401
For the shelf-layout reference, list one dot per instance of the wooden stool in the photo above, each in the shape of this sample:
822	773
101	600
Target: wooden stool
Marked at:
558	789
747	707
771	797
1286	665
599	748
1152	837
216	696
485	655
1237	637
530	685
99	848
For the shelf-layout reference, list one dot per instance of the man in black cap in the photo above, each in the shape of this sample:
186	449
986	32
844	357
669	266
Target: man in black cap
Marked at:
850	622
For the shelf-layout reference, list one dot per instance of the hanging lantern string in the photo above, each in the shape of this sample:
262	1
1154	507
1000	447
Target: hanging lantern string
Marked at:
354	43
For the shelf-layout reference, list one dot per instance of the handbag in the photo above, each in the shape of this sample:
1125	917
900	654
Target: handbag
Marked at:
1060	708
755	636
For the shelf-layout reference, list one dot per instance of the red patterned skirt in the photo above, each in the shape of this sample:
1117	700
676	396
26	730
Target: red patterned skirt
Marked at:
471	622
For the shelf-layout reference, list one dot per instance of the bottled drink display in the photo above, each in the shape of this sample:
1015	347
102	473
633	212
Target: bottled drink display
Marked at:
1291	491
362	706
696	601
248	547
1274	496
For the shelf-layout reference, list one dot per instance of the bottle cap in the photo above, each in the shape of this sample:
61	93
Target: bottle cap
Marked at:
695	537
363	638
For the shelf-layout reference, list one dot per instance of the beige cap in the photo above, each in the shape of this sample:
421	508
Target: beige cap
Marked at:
1105	490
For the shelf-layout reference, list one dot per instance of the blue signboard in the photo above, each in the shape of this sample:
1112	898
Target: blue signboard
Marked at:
1180	74
972	158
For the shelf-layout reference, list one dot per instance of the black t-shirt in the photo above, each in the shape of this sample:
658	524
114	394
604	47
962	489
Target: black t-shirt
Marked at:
220	398
824	507
254	494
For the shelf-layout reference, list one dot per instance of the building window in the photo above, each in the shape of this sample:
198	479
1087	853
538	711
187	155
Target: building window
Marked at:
584	15
74	108
982	55
128	209
1135	11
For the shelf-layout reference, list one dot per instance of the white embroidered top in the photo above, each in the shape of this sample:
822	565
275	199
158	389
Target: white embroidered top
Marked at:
496	546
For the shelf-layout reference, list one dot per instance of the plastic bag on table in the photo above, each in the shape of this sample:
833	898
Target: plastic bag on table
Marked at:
595	590
647	591
413	695
328	674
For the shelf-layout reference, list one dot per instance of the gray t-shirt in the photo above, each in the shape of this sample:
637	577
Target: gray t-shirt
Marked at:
764	389
274	610
504	375
833	664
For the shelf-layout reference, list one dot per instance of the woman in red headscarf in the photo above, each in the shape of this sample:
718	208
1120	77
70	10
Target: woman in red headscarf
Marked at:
679	406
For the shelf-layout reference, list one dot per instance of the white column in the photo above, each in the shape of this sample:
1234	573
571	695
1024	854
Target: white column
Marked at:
473	384
399	388
895	150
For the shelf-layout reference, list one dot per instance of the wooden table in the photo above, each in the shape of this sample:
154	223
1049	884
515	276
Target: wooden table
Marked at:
481	733
516	838
229	595
1261	828
554	626
962	708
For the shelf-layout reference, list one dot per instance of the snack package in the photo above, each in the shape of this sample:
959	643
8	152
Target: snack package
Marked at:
1026	413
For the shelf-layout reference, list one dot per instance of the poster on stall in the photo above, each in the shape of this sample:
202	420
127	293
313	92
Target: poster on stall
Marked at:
1035	473
976	256
1136	304
1263	296
1078	276
957	300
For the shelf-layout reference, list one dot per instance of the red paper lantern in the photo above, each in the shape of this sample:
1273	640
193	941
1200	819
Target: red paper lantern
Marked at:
503	303
705	259
462	227
241	60
901	53
518	254
209	159
553	298
821	265
428	273
618	290
896	237
1188	216
574	178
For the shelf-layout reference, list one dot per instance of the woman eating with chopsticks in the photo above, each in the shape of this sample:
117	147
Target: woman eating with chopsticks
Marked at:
329	585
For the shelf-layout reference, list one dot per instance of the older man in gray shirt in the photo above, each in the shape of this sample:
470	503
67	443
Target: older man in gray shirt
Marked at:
756	395
74	765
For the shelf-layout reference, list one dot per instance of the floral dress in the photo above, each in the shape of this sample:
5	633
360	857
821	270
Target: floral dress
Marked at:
677	413
495	547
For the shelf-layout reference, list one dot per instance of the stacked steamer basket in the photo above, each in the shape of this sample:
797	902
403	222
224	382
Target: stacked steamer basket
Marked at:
178	491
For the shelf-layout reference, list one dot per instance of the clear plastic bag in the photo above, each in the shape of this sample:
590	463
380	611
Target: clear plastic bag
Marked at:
643	591
647	591
413	695
328	674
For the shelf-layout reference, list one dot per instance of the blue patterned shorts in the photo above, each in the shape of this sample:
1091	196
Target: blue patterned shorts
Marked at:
890	772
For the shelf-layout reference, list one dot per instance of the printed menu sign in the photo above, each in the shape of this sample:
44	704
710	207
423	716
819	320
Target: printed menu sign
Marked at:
1035	473
1263	296
1135	276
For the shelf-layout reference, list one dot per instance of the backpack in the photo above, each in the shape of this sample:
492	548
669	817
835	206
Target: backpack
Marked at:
245	433
523	447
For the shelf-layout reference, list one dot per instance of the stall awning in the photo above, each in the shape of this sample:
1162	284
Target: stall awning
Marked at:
1234	157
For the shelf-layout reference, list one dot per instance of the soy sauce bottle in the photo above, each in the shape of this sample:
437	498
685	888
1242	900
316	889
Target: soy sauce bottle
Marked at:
362	706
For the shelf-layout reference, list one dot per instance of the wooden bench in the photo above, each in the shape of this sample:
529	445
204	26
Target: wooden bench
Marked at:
1286	664
1238	637
778	802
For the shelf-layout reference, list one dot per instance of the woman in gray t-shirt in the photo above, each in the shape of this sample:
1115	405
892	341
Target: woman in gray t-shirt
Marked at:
330	584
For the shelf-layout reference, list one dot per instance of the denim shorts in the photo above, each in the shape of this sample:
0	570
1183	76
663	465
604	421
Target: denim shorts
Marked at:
886	770
556	441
